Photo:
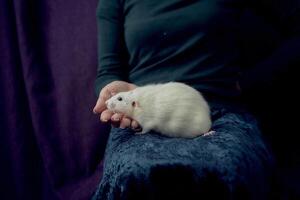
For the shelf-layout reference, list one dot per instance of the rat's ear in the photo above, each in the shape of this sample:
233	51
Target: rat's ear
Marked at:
135	104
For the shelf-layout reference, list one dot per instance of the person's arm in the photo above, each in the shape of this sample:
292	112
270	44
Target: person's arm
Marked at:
285	15
112	54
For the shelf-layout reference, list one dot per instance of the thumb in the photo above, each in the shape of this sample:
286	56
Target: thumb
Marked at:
98	107
100	104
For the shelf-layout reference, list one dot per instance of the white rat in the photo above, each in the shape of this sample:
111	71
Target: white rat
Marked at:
173	109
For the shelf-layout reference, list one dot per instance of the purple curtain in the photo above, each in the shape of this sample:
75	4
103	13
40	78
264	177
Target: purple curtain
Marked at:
51	144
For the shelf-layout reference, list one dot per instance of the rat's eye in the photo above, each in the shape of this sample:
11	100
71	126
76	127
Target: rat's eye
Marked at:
119	98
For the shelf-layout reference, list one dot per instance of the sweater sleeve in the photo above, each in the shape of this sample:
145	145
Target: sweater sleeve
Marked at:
112	53
285	16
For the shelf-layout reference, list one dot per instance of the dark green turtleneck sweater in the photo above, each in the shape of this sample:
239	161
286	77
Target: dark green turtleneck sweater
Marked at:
208	44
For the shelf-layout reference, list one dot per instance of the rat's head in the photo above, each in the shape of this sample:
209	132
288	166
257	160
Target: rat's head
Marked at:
123	102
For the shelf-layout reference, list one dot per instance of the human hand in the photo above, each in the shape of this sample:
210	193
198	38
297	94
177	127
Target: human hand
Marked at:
117	119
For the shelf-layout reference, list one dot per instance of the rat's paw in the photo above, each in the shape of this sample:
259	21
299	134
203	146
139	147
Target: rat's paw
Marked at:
209	133
144	131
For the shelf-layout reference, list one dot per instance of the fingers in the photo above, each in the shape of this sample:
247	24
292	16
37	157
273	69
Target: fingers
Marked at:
100	104
119	120
125	122
106	115
116	117
134	124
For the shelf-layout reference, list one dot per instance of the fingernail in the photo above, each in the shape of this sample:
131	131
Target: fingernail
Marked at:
134	126
116	119
104	120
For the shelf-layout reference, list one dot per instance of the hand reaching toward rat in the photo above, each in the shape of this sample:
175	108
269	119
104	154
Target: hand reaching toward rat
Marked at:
117	119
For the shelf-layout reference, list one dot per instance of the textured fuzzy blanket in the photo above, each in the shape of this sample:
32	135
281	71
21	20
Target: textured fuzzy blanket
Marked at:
232	163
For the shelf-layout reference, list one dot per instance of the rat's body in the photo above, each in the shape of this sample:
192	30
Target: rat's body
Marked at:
173	109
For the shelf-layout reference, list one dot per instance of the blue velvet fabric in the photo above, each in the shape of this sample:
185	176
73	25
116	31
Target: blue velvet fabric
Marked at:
232	163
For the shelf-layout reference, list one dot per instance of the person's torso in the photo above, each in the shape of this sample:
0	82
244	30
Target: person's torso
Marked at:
190	41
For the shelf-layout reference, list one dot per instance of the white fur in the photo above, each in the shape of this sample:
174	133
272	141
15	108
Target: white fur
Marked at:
173	109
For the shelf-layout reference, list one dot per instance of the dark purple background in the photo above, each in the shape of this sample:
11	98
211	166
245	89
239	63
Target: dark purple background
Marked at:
51	144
